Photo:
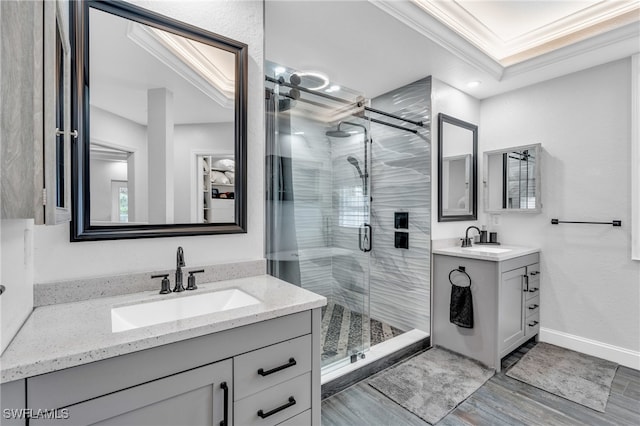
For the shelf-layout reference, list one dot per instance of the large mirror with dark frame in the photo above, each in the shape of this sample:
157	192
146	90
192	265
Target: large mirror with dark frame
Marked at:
457	169
160	109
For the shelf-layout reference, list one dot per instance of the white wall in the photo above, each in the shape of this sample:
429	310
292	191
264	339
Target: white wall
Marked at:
590	286
189	140
448	100
16	303
58	259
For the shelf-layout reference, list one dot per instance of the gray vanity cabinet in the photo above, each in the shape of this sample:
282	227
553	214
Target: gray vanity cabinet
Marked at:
511	324
196	397
506	304
13	403
270	368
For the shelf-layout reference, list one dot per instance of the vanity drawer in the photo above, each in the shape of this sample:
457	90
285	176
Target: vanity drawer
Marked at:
532	324
302	419
266	367
532	306
275	404
533	276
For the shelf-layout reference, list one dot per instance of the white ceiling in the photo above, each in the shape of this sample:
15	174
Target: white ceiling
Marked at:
376	46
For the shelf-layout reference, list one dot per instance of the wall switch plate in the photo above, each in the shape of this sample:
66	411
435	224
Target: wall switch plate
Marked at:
495	219
402	240
401	220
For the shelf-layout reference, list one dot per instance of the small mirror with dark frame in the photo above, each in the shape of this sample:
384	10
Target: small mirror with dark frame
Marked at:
457	169
160	108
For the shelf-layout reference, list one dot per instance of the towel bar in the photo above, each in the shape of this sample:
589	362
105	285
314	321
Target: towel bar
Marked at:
614	222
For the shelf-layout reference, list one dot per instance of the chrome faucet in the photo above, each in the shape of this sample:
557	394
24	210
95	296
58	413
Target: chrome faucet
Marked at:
466	241
179	265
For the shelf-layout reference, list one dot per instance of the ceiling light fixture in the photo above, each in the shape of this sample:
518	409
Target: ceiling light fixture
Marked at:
473	84
324	80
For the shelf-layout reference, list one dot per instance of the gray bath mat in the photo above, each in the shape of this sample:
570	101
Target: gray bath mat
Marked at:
572	375
433	383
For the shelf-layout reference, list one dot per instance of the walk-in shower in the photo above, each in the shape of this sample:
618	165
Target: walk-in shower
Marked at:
329	230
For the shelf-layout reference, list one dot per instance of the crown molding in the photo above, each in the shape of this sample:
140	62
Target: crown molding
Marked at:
586	22
184	58
616	44
609	44
412	15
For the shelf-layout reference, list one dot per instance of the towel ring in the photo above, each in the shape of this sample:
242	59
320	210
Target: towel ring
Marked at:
462	272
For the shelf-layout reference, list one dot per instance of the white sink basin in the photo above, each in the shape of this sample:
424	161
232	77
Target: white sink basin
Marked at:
492	250
125	318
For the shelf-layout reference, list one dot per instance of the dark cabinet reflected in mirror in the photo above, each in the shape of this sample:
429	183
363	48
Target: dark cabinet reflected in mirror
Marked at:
161	116
512	179
457	169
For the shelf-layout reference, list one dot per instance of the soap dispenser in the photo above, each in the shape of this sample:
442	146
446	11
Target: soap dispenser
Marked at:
483	234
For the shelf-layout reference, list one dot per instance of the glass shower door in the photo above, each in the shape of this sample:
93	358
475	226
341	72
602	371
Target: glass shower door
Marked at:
318	203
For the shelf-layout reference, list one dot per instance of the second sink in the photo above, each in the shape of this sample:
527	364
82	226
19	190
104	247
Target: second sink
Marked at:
482	249
129	317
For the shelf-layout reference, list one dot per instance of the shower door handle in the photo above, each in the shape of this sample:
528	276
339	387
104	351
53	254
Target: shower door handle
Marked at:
365	243
368	237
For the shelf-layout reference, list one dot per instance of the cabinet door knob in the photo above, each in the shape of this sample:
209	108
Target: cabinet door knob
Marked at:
533	323
532	307
533	290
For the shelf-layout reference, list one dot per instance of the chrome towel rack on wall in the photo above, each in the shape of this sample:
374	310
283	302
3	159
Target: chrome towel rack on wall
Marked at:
614	222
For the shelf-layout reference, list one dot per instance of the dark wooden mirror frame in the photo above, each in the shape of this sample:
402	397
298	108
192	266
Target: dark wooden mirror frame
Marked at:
81	228
444	118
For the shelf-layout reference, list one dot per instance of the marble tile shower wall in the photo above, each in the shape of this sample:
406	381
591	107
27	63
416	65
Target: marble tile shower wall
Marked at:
401	180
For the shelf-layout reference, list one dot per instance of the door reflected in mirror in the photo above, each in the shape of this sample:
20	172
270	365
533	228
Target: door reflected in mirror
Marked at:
512	179
457	169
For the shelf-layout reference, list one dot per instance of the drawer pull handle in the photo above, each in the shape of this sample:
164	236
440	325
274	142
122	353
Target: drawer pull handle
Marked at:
533	290
533	324
291	363
532	307
264	415
225	388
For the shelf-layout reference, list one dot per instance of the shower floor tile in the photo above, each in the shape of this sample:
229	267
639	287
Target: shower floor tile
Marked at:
343	331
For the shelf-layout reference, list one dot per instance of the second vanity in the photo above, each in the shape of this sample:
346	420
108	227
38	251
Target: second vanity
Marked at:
505	288
255	365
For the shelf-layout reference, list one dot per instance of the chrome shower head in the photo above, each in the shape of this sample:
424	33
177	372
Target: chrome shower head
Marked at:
354	162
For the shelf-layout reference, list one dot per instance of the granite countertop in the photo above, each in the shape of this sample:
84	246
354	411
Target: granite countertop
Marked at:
69	334
485	252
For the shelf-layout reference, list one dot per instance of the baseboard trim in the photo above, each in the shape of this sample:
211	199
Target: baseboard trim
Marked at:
622	356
